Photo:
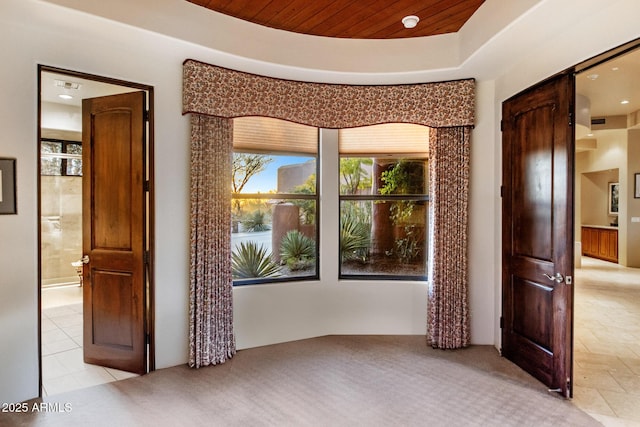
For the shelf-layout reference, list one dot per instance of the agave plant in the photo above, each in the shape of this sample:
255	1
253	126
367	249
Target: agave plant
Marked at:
354	239
297	250
251	261
255	221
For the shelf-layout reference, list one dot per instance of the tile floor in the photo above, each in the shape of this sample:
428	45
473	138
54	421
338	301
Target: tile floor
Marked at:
607	342
62	366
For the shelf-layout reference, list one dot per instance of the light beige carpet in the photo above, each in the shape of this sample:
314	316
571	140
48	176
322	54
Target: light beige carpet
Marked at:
328	381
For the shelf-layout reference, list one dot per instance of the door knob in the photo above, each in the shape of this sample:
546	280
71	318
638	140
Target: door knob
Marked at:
557	278
85	259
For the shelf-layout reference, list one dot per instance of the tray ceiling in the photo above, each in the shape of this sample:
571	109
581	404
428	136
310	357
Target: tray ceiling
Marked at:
354	19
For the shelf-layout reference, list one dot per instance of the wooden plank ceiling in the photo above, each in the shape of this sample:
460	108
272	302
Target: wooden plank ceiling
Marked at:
356	19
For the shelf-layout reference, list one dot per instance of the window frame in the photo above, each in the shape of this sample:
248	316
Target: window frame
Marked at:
287	197
383	198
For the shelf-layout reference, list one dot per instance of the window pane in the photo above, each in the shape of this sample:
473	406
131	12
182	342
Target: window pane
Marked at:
383	176
355	175
50	165
273	173
50	147
273	239
274	196
383	238
383	217
74	166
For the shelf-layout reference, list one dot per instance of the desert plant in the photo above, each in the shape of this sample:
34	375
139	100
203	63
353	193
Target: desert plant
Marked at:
355	238
255	221
307	206
405	177
407	248
250	261
297	250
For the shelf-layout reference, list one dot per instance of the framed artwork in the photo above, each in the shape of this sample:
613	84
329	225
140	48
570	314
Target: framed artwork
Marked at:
614	197
8	186
636	188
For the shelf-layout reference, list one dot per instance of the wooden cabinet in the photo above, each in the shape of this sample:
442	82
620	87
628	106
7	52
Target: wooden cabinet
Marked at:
600	243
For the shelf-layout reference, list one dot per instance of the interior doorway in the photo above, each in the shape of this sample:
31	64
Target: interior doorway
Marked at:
607	222
63	275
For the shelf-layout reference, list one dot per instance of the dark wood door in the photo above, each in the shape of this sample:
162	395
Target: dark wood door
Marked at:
113	139
538	232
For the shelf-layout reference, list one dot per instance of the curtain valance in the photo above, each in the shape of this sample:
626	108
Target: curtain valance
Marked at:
221	92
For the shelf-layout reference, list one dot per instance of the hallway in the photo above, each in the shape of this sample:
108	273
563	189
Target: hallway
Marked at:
607	342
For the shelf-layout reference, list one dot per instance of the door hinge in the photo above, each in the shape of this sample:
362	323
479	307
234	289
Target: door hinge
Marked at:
147	338
146	115
571	118
501	125
146	186
501	322
145	257
502	191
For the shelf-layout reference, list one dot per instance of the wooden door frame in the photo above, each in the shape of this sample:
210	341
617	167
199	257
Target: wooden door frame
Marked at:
572	72
149	237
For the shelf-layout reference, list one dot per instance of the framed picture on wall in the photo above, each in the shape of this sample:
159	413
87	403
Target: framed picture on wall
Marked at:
8	186
636	188
614	198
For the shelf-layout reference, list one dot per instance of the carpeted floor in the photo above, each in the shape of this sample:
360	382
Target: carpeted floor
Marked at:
327	381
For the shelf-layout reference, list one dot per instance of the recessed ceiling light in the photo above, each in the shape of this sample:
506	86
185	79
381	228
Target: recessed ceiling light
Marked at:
410	21
615	68
593	76
624	101
65	96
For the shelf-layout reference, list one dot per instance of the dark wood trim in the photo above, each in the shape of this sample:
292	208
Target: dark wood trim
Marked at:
39	230
607	55
151	235
95	77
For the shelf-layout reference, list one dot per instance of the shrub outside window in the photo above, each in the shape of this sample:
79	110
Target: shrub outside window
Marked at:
274	201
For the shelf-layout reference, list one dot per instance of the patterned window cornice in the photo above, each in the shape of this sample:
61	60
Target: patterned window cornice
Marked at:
221	92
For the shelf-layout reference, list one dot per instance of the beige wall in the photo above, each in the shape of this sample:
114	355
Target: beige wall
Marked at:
633	204
602	165
616	159
594	196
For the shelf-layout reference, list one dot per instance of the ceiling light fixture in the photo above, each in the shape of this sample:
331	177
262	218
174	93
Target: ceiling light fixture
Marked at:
410	21
624	102
593	76
66	87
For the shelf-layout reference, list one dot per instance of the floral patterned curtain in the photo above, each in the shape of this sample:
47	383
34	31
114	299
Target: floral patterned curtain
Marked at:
211	335
448	308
